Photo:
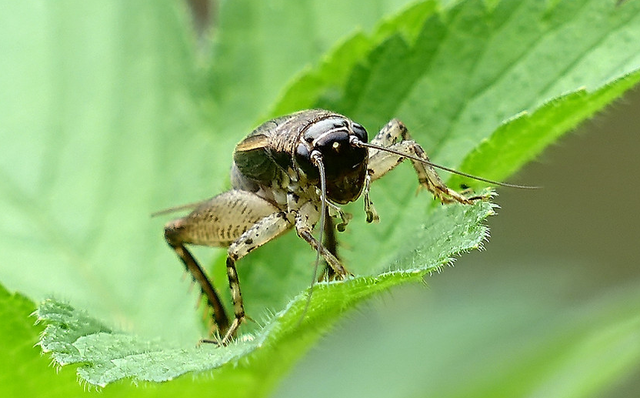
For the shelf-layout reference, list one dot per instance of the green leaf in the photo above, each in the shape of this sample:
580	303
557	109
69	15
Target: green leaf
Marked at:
107	356
317	87
448	83
110	120
24	371
94	136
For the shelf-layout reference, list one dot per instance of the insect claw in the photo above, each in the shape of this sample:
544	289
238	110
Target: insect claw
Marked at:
488	195
345	217
466	190
336	212
324	275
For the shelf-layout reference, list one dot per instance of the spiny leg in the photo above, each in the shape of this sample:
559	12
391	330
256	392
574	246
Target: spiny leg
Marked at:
217	222
305	219
330	240
236	296
394	135
219	315
263	231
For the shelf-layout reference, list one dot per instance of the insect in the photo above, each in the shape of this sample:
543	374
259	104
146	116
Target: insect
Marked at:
294	172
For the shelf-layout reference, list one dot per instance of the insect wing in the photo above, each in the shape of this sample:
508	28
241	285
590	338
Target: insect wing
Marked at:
253	159
262	154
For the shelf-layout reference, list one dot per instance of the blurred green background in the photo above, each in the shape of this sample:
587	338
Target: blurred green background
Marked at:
553	255
558	258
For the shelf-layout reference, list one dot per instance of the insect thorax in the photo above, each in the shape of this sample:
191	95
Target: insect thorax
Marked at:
275	159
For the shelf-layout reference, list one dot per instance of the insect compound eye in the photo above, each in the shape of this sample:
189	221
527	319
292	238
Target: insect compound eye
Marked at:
322	127
360	132
303	159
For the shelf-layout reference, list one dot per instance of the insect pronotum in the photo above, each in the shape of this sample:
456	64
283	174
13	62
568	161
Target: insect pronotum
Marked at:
285	175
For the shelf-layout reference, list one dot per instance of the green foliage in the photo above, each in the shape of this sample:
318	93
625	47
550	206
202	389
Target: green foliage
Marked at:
116	112
23	370
74	337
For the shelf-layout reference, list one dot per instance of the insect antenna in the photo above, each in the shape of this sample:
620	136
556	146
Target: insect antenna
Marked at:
316	158
359	143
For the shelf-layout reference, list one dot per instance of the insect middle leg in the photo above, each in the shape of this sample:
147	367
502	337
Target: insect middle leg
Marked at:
263	231
394	135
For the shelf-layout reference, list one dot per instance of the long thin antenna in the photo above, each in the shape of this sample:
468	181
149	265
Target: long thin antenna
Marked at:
357	142
317	160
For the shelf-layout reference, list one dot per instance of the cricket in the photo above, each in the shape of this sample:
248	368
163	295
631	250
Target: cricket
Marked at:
294	172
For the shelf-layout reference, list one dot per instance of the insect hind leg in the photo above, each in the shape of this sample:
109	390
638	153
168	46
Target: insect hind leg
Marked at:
219	315
229	219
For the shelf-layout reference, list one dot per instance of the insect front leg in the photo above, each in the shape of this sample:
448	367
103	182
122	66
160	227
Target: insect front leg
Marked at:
395	136
305	219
